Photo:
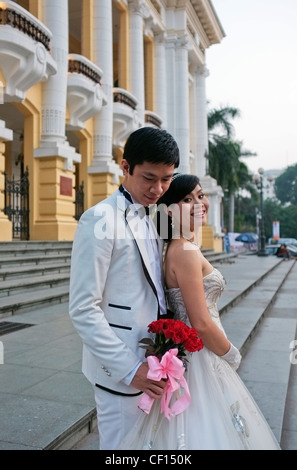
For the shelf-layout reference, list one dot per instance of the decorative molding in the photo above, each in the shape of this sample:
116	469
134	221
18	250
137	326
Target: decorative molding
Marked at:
24	51
85	96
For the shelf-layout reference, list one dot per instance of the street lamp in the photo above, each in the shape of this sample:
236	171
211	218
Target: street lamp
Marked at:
259	182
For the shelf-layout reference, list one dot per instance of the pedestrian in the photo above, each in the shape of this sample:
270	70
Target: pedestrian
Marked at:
283	252
226	241
221	414
116	282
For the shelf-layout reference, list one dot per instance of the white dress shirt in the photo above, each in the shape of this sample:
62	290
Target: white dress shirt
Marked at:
148	232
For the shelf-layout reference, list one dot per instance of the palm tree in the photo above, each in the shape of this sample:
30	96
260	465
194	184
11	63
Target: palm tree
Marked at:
219	119
224	154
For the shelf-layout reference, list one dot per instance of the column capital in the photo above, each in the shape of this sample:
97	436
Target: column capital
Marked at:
182	41
202	70
138	7
171	40
160	36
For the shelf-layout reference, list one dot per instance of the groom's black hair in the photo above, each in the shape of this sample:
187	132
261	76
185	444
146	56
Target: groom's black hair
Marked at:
153	145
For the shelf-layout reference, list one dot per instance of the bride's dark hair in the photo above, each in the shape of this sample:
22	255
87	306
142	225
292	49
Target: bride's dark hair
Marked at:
181	185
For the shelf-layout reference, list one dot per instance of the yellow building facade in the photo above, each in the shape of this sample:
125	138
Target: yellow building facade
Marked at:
76	78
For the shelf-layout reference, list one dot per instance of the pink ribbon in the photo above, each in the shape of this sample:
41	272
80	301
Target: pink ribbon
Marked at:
171	368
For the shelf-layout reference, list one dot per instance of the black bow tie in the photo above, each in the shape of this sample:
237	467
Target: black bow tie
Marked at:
125	193
143	210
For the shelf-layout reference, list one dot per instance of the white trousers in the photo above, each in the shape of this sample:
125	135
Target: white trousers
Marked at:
116	415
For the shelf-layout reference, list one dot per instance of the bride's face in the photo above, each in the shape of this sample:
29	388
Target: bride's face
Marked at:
191	212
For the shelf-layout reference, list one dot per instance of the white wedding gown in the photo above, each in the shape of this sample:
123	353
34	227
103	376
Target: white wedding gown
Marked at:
222	414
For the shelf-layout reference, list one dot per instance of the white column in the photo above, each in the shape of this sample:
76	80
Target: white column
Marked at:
5	133
160	79
171	83
182	117
200	121
53	139
103	121
215	195
137	12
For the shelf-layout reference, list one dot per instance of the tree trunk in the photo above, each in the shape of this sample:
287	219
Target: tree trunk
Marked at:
231	212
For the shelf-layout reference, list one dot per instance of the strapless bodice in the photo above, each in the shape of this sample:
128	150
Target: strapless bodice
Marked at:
214	284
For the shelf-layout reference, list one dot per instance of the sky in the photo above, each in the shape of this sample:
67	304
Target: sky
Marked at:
254	69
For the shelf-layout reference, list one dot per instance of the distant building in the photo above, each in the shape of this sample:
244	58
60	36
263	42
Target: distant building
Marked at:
268	183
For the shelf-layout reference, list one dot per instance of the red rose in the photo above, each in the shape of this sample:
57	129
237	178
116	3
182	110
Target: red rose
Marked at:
171	334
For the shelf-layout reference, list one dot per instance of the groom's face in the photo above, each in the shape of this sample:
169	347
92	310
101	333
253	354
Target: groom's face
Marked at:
148	182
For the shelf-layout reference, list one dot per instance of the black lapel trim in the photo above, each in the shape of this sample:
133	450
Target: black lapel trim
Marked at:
146	273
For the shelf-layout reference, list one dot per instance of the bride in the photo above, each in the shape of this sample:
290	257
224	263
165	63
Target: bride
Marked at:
222	414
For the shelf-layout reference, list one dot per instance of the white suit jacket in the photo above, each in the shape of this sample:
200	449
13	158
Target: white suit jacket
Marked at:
111	299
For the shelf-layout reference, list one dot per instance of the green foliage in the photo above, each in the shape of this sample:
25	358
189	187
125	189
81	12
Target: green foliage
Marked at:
219	121
272	212
224	153
287	217
286	186
233	176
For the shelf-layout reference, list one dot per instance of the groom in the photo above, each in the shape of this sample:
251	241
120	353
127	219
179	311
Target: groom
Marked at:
116	283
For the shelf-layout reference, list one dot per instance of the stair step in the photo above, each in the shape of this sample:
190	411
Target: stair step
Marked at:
25	271
87	424
34	243
34	260
21	303
240	321
236	293
221	257
17	251
12	287
264	370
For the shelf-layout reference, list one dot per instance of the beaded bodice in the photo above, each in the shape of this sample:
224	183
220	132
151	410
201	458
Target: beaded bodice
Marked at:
214	284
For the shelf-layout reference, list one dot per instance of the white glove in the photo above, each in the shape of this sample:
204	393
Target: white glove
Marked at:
233	357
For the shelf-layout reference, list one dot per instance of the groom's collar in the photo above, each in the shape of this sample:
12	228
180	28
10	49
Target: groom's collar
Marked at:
142	210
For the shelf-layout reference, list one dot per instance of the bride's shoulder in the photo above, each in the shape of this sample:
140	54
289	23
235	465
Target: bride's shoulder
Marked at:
176	245
180	249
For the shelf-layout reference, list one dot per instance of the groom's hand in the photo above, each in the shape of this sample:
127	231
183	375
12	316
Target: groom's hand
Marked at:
151	387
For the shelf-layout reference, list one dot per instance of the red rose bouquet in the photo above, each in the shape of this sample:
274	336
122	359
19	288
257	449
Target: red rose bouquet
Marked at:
166	354
171	334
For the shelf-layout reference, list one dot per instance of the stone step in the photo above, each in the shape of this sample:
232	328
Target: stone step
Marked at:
241	321
18	248
284	311
25	271
9	288
244	283
221	257
34	259
38	251
23	302
265	369
30	244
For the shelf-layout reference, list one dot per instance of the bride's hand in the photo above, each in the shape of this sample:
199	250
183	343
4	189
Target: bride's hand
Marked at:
233	357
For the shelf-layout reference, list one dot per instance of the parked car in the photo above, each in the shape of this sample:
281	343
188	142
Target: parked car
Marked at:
281	241
272	248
